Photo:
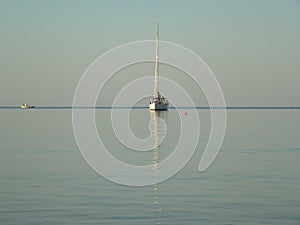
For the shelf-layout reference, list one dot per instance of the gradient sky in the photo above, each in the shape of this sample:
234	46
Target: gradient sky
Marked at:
253	46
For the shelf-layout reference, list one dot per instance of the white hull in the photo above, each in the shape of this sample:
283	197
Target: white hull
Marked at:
26	106
158	106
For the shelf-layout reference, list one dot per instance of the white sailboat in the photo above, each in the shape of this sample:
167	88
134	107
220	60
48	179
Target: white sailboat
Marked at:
158	102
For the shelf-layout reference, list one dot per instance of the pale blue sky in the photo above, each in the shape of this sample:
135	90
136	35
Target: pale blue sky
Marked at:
252	46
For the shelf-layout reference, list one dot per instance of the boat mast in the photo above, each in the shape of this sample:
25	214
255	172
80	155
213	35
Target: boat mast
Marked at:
156	93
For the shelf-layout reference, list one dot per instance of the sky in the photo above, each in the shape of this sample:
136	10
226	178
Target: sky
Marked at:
252	46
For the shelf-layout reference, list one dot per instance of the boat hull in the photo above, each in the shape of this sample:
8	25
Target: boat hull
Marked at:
158	106
26	106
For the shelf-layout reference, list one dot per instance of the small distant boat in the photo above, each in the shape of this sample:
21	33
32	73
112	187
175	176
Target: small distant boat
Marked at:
26	106
158	102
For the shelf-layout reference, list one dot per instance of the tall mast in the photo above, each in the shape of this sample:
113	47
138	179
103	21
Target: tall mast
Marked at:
156	64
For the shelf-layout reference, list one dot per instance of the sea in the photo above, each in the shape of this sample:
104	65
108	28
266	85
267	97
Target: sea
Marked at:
255	178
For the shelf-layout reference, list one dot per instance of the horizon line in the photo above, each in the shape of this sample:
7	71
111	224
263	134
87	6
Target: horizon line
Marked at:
146	107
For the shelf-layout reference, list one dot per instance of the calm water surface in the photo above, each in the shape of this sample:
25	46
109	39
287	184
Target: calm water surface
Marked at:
255	179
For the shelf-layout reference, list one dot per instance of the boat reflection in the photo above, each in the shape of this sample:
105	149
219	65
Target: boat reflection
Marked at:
159	119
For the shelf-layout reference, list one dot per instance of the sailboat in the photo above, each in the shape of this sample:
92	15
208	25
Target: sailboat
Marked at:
158	102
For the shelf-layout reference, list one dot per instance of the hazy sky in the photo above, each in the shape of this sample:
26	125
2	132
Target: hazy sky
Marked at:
253	46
